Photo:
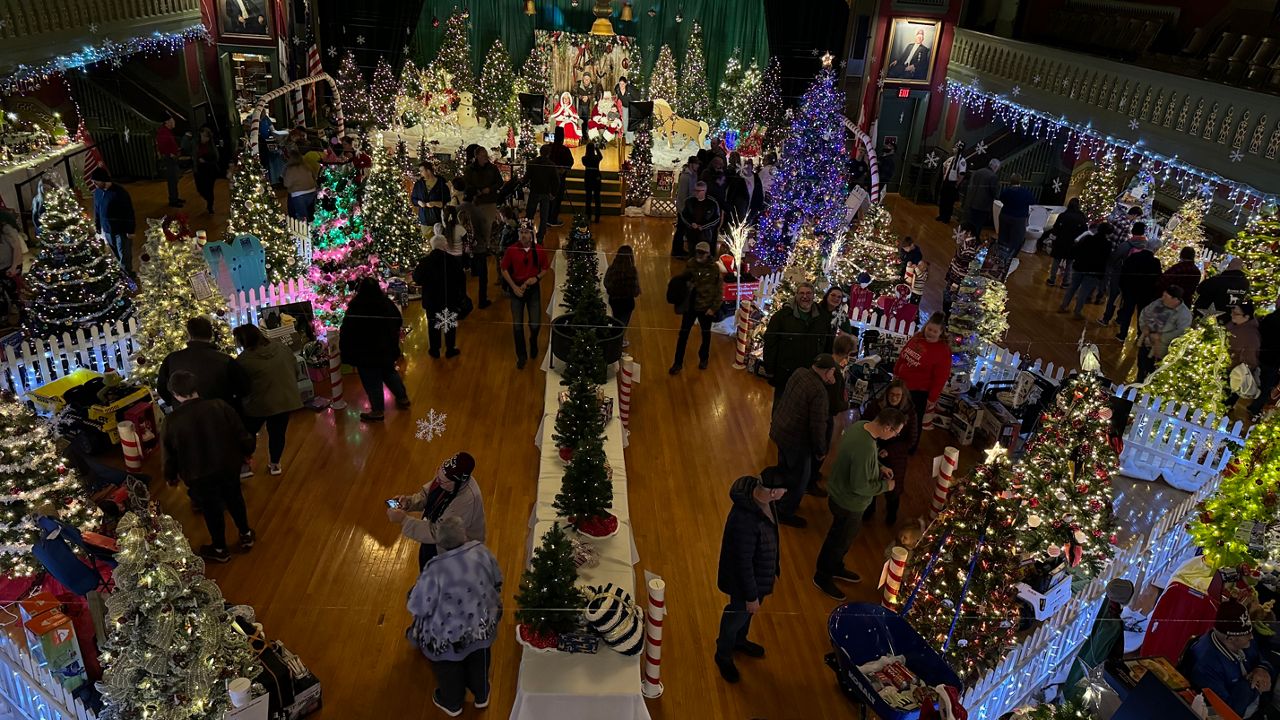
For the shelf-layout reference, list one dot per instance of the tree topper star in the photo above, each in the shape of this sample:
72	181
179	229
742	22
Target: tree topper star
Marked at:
995	453
827	59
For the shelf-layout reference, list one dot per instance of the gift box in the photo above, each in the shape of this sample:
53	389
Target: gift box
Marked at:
965	419
56	648
1000	425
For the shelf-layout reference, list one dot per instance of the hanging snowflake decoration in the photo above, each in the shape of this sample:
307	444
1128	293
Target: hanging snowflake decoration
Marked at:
431	426
880	81
1133	124
446	320
1017	90
359	39
1236	155
981	147
931	160
333	51
959	235
93	27
1206	189
1035	80
1057	185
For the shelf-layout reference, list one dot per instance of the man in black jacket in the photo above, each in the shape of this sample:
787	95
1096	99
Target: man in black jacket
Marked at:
113	216
748	564
700	217
799	428
204	442
543	179
562	157
1089	265
1225	290
218	375
1139	282
795	335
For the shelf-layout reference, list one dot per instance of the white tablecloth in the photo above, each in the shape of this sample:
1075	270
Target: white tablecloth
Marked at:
568	686
13	175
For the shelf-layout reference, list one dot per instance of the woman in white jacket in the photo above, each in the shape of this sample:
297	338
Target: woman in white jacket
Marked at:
451	493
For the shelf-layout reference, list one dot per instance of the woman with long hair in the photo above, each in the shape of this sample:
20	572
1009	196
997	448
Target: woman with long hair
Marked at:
370	342
925	366
207	167
622	283
273	389
895	451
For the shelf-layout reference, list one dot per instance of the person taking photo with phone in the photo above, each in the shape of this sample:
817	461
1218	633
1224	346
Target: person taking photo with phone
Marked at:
453	492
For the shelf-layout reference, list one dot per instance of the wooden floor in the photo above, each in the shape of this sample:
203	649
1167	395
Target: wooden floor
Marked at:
329	574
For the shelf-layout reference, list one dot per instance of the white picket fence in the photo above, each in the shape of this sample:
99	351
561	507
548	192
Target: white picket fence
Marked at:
300	233
33	363
1187	446
31	690
871	320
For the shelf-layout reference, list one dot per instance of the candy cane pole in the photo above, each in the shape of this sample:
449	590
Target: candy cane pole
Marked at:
743	323
627	367
652	682
894	568
946	472
335	377
873	162
129	445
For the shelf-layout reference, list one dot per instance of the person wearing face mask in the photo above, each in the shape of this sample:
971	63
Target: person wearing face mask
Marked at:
452	492
924	365
796	333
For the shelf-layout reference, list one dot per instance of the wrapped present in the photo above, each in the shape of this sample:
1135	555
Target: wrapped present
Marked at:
578	643
619	622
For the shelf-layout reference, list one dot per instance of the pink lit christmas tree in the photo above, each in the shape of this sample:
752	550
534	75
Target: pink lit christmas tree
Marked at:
342	249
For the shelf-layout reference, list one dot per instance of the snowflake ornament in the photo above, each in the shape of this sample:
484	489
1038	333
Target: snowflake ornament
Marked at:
431	426
813	52
1133	124
959	235
93	28
1035	80
880	81
333	52
931	160
981	147
359	39
296	40
1017	90
446	320
1236	155
1057	184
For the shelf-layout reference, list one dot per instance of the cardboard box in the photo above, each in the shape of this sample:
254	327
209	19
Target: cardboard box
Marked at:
57	649
998	424
964	420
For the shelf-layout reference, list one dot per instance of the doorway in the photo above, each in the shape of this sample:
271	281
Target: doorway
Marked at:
901	119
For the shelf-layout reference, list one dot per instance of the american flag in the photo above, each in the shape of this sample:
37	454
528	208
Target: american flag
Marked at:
93	158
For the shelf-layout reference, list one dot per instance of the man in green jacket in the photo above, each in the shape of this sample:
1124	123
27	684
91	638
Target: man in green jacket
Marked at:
706	295
796	334
856	478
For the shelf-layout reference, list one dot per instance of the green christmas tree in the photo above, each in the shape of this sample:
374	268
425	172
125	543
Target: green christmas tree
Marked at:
582	263
978	314
694	98
35	482
766	104
1196	368
591	320
1184	230
76	281
871	246
354	91
738	88
496	90
394	226
1258	247
1065	475
527	142
171	647
1249	496
1100	190
579	415
402	160
341	248
637	174
174	271
586	491
454	55
256	211
549	601
662	81
963	573
536	71
382	95
409	96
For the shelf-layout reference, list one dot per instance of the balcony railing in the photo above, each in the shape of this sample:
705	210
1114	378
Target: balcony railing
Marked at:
33	30
1230	131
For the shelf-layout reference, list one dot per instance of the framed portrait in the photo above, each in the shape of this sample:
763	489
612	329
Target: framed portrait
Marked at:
244	18
911	49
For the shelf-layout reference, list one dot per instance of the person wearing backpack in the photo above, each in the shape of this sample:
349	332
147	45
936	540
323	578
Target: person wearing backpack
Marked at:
523	266
704	294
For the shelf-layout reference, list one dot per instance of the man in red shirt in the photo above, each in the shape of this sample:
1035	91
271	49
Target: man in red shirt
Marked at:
167	148
523	265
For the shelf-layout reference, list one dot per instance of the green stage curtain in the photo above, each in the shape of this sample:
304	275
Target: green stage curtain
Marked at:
726	24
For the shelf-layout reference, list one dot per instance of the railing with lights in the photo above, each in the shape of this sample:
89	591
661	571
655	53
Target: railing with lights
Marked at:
31	691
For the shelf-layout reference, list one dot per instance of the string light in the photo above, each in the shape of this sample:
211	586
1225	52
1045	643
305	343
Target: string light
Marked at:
1196	368
454	55
396	237
549	602
1258	247
979	316
382	95
255	211
662	80
28	78
1246	496
495	98
341	246
693	97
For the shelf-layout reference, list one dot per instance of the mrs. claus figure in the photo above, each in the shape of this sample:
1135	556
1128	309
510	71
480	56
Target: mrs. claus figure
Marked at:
606	119
565	116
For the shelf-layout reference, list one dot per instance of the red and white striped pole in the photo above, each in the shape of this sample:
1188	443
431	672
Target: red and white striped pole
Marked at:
335	376
947	463
129	445
894	567
651	686
743	323
626	377
299	109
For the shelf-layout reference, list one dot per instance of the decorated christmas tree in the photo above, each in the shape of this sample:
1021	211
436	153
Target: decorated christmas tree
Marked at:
1100	190
536	72
409	95
402	160
1065	476
454	55
171	647
382	95
178	288
582	263
579	415
766	103
590	319
662	81
809	186
341	248
960	580
527	143
35	482
738	87
586	491
871	246
1066	711
1258	246
1196	368
394	226
637	173
978	314
496	88
256	211
1231	524
1183	230
354	89
693	96
549	601
76	281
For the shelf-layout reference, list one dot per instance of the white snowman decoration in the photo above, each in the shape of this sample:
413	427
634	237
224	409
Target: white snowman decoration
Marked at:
466	111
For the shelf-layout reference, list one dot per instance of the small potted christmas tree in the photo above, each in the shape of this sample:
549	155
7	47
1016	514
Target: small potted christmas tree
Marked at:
580	415
549	601
586	491
590	315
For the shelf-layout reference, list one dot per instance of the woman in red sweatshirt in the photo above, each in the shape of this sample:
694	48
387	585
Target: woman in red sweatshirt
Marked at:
925	366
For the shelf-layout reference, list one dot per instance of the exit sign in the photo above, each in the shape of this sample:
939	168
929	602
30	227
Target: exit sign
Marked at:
903	92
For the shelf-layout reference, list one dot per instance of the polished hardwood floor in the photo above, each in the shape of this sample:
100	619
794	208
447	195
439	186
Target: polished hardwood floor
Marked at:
329	574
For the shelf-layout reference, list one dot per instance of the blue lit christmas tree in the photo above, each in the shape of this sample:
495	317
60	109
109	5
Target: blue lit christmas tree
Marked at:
809	186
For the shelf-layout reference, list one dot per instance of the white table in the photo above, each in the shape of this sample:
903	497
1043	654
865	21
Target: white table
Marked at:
14	174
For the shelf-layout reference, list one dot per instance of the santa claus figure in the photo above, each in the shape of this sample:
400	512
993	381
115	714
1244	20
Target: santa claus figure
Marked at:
565	116
606	119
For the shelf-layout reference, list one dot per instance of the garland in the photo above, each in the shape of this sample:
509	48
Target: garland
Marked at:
26	78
